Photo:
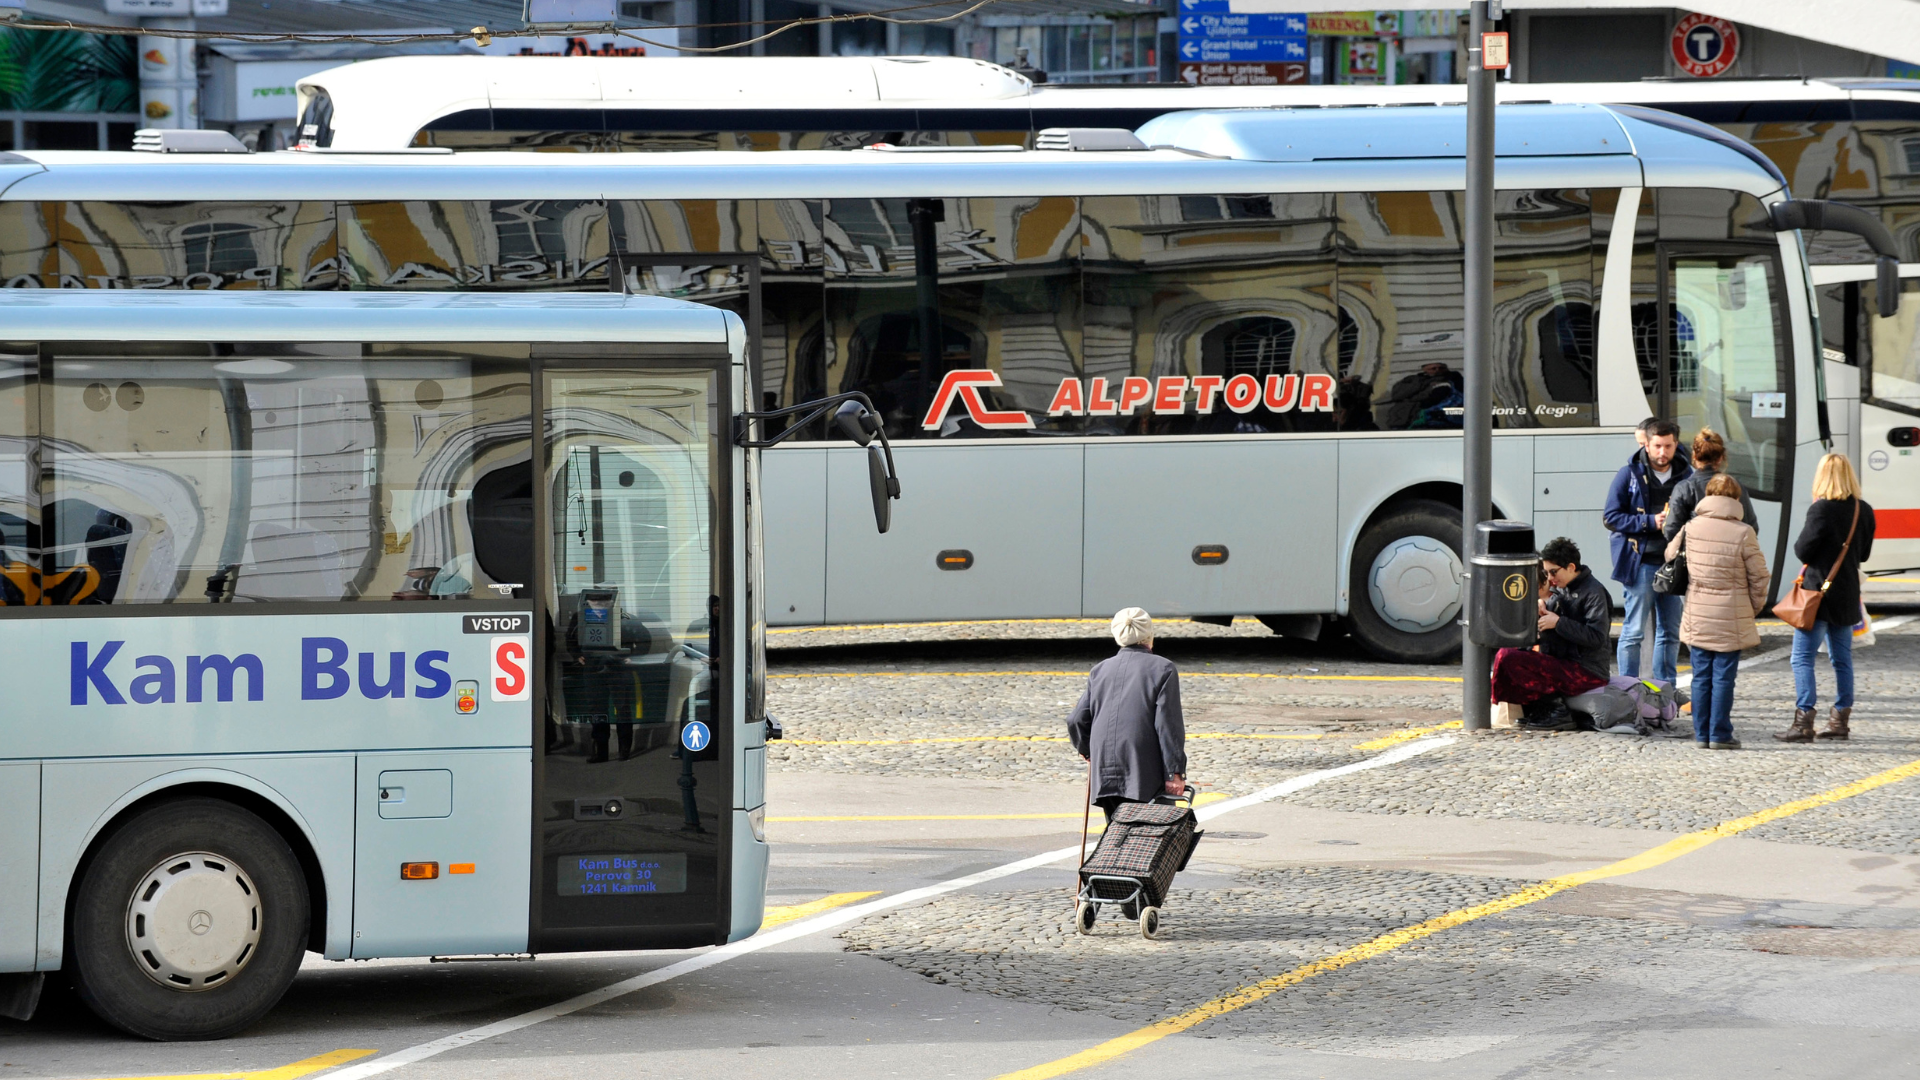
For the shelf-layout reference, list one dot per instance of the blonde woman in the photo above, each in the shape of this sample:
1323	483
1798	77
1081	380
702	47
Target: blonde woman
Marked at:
1830	520
1726	588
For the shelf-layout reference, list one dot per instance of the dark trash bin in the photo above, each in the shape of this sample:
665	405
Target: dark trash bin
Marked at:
1502	612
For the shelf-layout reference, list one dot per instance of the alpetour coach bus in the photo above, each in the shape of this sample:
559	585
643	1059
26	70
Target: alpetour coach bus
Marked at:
310	643
1216	378
1851	140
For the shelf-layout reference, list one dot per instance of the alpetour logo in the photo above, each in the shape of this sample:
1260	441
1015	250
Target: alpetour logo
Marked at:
1166	395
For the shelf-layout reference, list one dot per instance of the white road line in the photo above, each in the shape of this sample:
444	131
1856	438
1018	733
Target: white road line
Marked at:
838	917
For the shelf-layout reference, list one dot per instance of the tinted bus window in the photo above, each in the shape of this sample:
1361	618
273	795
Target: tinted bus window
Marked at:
305	473
515	245
199	245
1005	290
1893	371
1727	357
1237	290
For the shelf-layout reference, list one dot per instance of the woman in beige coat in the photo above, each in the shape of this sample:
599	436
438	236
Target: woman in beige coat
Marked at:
1726	586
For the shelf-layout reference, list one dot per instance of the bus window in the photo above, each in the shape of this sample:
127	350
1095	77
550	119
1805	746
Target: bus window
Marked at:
19	510
1727	360
1007	299
1544	308
1400	284
509	244
196	245
1209	286
1894	353
301	473
1873	164
793	345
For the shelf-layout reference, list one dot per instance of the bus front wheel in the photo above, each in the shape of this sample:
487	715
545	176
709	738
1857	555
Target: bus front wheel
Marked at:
190	922
1406	588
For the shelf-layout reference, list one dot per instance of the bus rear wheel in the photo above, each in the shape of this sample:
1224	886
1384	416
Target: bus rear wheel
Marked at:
190	922
1406	588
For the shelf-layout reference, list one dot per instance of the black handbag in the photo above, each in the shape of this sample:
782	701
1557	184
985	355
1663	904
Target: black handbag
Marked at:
1671	578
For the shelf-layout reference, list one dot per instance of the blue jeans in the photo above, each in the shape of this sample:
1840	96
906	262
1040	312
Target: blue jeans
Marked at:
1666	610
1713	675
1839	641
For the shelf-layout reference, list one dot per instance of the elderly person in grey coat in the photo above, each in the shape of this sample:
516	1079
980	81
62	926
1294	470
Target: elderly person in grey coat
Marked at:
1128	723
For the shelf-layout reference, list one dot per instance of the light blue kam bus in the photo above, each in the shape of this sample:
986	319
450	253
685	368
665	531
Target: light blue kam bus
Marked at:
310	643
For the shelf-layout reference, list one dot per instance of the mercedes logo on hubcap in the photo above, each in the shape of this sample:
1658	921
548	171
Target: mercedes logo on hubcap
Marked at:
200	922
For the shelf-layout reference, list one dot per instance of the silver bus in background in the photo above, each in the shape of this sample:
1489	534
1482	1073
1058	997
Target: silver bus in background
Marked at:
1850	140
1212	368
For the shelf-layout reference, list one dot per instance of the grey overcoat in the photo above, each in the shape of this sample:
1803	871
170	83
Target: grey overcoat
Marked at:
1128	722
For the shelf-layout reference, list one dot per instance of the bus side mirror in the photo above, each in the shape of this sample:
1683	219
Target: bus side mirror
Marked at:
857	422
885	488
1813	214
1887	287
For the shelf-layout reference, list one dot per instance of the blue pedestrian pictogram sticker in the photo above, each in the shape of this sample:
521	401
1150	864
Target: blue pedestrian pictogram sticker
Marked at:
695	736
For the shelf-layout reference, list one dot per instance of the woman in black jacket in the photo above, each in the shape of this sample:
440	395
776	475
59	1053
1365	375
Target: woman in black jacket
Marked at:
1836	497
1709	461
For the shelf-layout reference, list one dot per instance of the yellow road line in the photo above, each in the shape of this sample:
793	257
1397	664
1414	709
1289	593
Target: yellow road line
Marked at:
299	1068
1082	675
1392	940
777	915
1404	735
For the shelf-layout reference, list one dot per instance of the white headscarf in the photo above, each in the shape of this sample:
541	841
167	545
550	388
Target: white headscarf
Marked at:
1132	626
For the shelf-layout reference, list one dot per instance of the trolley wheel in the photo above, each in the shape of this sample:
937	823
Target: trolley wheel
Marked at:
1083	916
189	923
1406	584
1149	922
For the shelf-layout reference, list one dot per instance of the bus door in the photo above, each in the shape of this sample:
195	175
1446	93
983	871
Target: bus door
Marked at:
1725	364
1883	358
632	789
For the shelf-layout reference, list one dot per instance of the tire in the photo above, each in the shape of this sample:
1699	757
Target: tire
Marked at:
1083	916
190	922
1149	922
1401	604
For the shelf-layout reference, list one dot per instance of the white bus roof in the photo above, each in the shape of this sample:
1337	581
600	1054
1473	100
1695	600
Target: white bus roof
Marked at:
382	104
210	315
393	97
1269	150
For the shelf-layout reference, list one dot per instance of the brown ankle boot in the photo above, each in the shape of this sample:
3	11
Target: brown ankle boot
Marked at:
1836	724
1802	729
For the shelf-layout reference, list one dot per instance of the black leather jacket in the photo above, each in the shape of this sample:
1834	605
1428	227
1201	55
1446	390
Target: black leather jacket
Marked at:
1584	634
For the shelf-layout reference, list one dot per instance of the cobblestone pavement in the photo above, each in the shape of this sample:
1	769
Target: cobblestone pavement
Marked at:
1607	954
1261	709
1604	957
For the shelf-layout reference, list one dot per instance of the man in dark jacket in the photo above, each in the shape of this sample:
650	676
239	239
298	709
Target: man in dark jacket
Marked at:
1128	723
1635	512
1572	656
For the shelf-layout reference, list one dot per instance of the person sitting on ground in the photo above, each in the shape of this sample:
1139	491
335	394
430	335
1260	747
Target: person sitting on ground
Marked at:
1127	724
1574	653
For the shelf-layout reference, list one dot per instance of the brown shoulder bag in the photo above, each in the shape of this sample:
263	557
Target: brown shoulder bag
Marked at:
1800	608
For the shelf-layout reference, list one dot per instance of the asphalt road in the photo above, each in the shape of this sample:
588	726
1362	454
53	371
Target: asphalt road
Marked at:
1790	947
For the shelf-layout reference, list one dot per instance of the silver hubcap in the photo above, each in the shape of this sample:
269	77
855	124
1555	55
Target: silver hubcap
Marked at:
1415	584
194	921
